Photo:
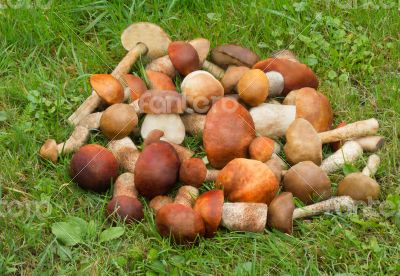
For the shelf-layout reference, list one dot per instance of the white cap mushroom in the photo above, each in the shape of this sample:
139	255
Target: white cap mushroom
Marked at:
170	124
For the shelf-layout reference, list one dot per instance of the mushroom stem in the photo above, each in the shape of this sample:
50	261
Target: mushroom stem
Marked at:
356	129
187	196
338	203
194	123
349	152
125	186
125	152
372	165
211	175
244	216
213	69
159	201
371	143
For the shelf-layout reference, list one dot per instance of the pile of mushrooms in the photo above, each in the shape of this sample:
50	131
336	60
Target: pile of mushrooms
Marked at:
243	109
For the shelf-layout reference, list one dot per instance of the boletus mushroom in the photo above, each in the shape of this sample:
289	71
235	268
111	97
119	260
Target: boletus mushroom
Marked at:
118	121
253	87
231	54
209	206
194	172
261	148
135	85
108	88
184	57
159	81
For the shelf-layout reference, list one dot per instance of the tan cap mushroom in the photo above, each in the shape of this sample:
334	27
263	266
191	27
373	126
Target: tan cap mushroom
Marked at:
280	213
202	47
184	57
308	182
108	88
194	172
253	87
262	148
232	76
159	81
231	54
118	121
228	132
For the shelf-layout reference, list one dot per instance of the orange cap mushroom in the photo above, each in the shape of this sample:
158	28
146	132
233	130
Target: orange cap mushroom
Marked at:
108	88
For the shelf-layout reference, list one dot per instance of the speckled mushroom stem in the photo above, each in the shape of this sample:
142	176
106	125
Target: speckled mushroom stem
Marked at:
126	153
213	69
211	175
349	152
125	186
187	195
159	201
93	101
194	123
372	165
340	203
243	216
371	143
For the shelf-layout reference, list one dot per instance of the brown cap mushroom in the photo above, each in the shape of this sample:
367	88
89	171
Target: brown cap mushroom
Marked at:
193	172
246	180
261	148
93	167
228	132
302	143
136	85
308	182
201	90
156	170
231	54
184	57
118	121
159	81
232	76
108	88
128	208
296	75
209	206
280	213
162	102
253	87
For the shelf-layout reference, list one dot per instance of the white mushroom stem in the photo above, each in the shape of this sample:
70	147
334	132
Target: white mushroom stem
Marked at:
349	152
93	101
125	152
371	143
338	204
372	165
194	123
125	185
243	216
187	196
91	121
78	138
275	83
213	69
170	124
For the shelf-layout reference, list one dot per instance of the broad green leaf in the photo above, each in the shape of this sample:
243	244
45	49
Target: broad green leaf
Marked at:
67	233
111	233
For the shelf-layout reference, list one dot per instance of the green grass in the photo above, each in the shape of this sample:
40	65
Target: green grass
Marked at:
46	56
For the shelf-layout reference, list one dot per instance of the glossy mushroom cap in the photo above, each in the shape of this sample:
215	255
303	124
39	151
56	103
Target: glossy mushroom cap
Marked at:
136	86
156	170
232	76
231	54
108	88
312	106
181	222
201	90
302	143
308	182
193	172
246	180
118	121
280	213
359	187
261	148
253	87
296	75
162	102
159	201
228	132
209	206
184	57
93	167
159	81
128	208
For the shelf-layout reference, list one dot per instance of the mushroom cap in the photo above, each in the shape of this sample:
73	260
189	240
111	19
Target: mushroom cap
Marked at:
93	167
118	120
156	170
253	87
246	180
163	65
302	143
228	132
312	106
108	88
202	47
193	172
136	85
126	207
232	76
181	222
261	148
159	201
280	213
49	150
209	206
296	75
308	182
184	57
359	187
159	81
153	136
162	102
231	54
201	90
170	124
151	35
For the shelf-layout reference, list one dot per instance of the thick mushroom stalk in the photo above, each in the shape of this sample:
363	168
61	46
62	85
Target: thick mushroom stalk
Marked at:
244	216
126	153
349	152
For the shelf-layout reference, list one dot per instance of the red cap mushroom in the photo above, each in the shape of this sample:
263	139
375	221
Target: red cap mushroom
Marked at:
184	57
261	148
136	86
108	88
193	172
209	206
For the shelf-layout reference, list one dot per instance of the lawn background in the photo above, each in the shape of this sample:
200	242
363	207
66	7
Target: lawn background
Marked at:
49	49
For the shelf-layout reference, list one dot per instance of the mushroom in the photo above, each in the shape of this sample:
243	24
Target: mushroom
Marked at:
209	206
118	121
228	132
194	123
349	152
231	54
139	39
337	145
371	143
232	76
244	216
253	87
124	203
246	180
125	152
360	186
159	201
159	81
171	124
156	170
308	182
93	167
179	220
201	90
184	57
136	86
193	172
108	88
262	148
